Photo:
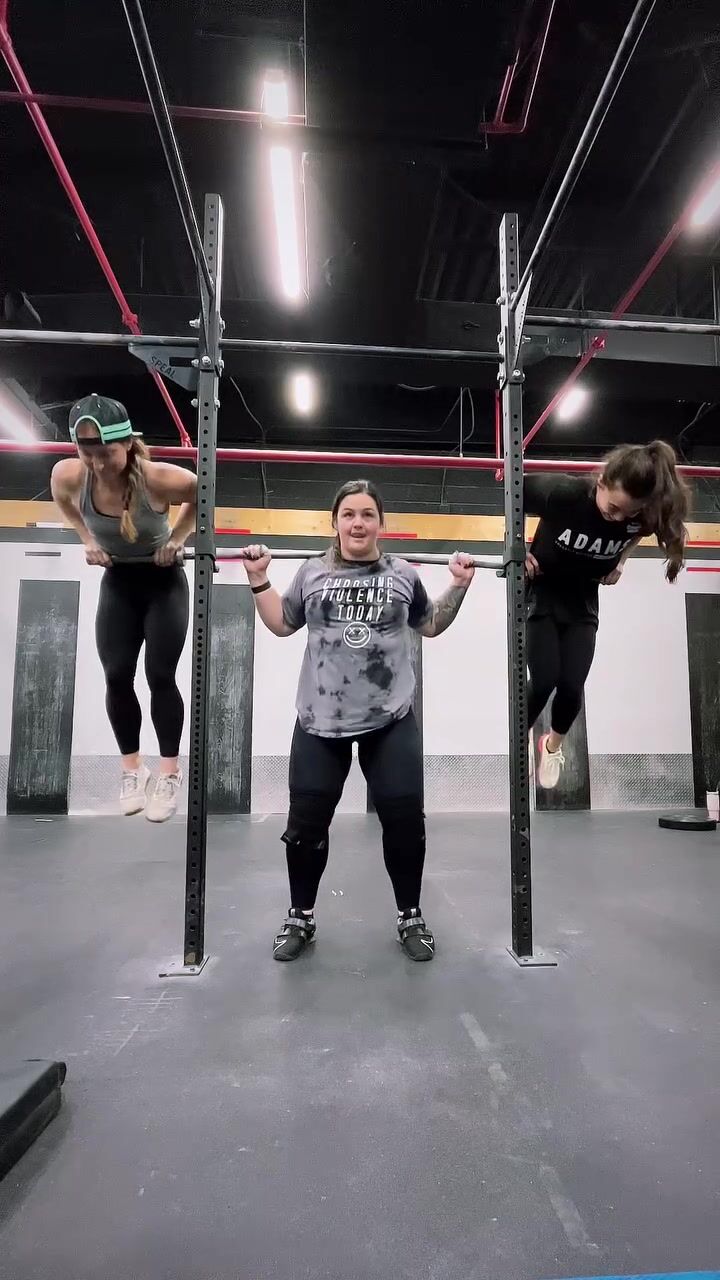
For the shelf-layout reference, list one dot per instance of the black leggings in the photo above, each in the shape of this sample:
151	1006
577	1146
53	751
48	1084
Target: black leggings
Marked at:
559	658
391	760
143	603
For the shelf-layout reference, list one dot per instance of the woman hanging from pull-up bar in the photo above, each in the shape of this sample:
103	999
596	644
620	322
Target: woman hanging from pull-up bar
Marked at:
585	534
117	501
357	684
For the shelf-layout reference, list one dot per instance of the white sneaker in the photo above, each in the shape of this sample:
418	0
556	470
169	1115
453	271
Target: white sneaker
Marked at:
551	764
132	790
163	802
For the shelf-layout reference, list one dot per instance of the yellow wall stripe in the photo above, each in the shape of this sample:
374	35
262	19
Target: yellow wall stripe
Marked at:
264	523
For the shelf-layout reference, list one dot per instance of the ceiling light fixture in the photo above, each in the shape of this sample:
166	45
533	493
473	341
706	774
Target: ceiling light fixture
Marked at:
572	404
707	207
303	392
283	182
275	96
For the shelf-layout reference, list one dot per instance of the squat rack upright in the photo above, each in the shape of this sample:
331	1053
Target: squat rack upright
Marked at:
208	362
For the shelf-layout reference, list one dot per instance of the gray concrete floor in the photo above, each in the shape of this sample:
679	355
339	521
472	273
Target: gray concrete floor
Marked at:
355	1117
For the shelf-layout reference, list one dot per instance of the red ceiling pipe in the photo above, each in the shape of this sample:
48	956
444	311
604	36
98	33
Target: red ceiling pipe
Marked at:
499	125
122	106
623	306
219	115
432	461
226	115
129	319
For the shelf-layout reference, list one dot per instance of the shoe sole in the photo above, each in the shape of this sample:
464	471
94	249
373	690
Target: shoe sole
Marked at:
132	813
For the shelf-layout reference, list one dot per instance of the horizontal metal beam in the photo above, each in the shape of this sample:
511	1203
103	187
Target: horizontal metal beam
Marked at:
67	337
598	325
429	461
70	337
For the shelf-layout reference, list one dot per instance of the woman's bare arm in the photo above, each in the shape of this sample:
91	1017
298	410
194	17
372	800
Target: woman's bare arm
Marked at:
268	603
173	485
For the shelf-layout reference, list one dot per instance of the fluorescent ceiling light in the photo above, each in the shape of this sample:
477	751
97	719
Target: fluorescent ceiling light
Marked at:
707	207
572	404
282	178
303	392
275	96
284	185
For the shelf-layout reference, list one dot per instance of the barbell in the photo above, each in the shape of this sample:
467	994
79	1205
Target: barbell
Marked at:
413	557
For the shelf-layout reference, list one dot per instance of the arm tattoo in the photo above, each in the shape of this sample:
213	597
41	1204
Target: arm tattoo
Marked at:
445	610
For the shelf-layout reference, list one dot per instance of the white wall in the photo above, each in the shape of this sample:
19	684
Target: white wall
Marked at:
637	696
465	672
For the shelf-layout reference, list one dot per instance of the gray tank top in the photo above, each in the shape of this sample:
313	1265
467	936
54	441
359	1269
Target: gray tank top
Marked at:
153	527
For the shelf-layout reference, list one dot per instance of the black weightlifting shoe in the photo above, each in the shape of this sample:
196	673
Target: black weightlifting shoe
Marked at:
295	936
414	936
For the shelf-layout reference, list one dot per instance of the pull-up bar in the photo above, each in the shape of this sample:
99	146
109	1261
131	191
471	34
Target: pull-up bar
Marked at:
428	461
78	338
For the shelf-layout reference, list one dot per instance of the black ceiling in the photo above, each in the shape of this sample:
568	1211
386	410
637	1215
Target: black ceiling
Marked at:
403	189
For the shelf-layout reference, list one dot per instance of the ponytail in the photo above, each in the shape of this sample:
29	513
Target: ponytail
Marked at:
649	473
134	483
669	508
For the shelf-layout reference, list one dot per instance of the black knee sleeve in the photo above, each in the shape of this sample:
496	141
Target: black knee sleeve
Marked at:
309	820
402	820
307	845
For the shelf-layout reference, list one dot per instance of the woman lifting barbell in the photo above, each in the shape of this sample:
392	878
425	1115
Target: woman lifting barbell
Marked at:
585	534
356	684
117	501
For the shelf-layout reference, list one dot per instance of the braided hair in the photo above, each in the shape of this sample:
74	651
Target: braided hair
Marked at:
138	453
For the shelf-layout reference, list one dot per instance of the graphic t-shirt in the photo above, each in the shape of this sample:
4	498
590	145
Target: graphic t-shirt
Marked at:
357	672
575	546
